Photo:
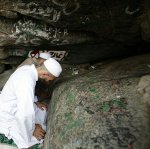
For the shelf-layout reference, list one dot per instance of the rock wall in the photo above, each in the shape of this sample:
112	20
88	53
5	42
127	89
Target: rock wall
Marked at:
101	28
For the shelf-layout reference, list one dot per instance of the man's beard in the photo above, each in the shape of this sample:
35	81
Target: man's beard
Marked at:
43	81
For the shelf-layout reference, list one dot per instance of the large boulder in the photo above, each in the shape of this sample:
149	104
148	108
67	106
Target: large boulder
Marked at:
101	109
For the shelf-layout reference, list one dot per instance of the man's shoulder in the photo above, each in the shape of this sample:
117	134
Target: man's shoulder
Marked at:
24	68
24	71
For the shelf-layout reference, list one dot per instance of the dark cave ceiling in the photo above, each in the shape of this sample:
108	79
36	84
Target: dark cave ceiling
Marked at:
89	30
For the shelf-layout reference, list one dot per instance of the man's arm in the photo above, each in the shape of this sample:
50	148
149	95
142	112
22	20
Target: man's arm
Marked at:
25	116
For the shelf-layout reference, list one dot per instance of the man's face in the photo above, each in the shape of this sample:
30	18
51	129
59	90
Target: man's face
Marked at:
47	77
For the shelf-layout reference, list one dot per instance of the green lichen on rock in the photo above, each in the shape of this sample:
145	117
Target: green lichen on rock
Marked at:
104	112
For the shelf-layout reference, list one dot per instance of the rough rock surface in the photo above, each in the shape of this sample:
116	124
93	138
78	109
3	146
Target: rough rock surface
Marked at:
4	77
2	68
144	89
93	30
68	22
101	109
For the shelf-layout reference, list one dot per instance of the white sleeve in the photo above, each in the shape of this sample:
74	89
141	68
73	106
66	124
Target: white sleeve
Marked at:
35	99
25	116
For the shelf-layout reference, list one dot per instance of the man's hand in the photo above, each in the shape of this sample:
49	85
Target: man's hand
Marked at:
41	105
39	133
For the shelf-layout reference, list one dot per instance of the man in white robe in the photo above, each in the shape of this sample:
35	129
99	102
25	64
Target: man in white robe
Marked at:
19	119
41	88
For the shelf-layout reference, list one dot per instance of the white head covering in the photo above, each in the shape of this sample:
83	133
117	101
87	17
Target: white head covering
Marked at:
53	67
45	55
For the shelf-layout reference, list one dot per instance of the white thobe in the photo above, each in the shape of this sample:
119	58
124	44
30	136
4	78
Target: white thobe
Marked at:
17	108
